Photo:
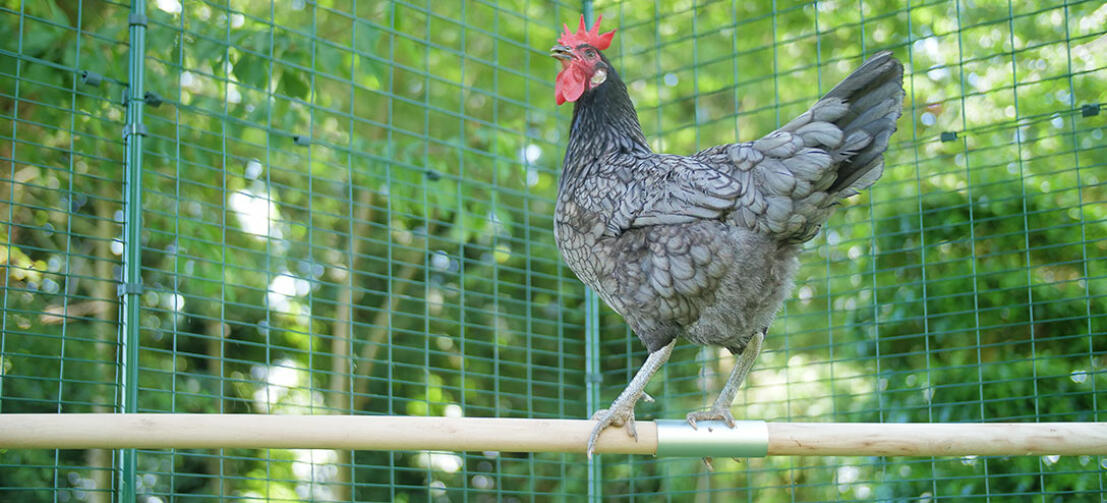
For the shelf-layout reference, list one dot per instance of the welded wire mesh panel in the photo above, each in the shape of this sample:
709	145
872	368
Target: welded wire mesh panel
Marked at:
348	209
345	209
60	187
968	285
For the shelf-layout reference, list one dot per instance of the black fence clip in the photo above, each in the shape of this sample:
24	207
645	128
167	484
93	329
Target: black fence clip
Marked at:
151	98
301	140
90	78
948	136
1089	110
137	20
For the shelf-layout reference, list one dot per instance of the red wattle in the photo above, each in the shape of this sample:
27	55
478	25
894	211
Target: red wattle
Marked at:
569	85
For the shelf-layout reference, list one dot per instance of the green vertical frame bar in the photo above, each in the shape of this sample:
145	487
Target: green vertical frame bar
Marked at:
593	378
133	131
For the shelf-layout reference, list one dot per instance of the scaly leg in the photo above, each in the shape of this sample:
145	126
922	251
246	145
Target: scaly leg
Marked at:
621	411
721	409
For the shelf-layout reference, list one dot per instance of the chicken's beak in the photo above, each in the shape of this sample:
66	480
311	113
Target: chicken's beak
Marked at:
562	52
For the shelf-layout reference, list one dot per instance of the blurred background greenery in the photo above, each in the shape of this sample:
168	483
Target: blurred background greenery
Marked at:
346	209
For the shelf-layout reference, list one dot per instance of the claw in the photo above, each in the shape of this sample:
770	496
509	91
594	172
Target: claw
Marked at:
611	417
714	414
592	438
707	463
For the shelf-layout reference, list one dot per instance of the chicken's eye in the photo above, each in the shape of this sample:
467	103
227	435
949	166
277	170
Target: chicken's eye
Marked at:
590	53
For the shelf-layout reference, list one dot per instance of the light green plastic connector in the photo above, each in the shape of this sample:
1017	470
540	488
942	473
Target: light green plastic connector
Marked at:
677	438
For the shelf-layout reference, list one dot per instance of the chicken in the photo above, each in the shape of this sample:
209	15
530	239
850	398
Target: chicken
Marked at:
704	246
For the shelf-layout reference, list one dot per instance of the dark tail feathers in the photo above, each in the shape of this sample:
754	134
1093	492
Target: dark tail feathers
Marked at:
874	94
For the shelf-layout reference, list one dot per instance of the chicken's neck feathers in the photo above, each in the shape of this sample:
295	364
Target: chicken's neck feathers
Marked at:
604	123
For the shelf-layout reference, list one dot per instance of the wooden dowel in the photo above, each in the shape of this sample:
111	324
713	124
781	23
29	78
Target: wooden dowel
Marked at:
209	431
946	439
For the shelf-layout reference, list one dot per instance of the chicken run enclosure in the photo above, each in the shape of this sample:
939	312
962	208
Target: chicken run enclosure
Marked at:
330	208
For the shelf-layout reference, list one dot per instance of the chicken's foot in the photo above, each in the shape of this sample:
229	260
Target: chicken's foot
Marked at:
720	410
621	412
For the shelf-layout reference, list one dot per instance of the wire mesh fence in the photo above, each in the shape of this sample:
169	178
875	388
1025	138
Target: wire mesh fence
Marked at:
346	208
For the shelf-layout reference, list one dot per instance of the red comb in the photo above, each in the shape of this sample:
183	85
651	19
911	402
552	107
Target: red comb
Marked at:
585	36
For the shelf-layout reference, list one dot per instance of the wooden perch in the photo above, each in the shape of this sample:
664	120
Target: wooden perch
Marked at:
210	431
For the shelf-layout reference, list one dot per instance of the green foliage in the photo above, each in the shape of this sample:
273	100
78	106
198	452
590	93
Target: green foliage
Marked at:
349	210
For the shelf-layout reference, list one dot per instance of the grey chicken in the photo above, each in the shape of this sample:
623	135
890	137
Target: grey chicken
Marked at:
704	246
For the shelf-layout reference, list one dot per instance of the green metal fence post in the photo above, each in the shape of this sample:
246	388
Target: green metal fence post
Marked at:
593	376
130	289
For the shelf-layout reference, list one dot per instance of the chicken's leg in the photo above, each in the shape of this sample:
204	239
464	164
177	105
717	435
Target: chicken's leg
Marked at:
720	410
621	411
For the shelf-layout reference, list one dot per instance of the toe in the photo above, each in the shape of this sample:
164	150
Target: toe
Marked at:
632	430
592	439
610	417
723	415
727	418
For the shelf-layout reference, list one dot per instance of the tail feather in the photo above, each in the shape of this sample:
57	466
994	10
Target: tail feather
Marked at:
792	178
874	94
873	73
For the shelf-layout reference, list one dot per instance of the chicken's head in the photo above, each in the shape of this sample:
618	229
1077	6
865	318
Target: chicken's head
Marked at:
582	65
